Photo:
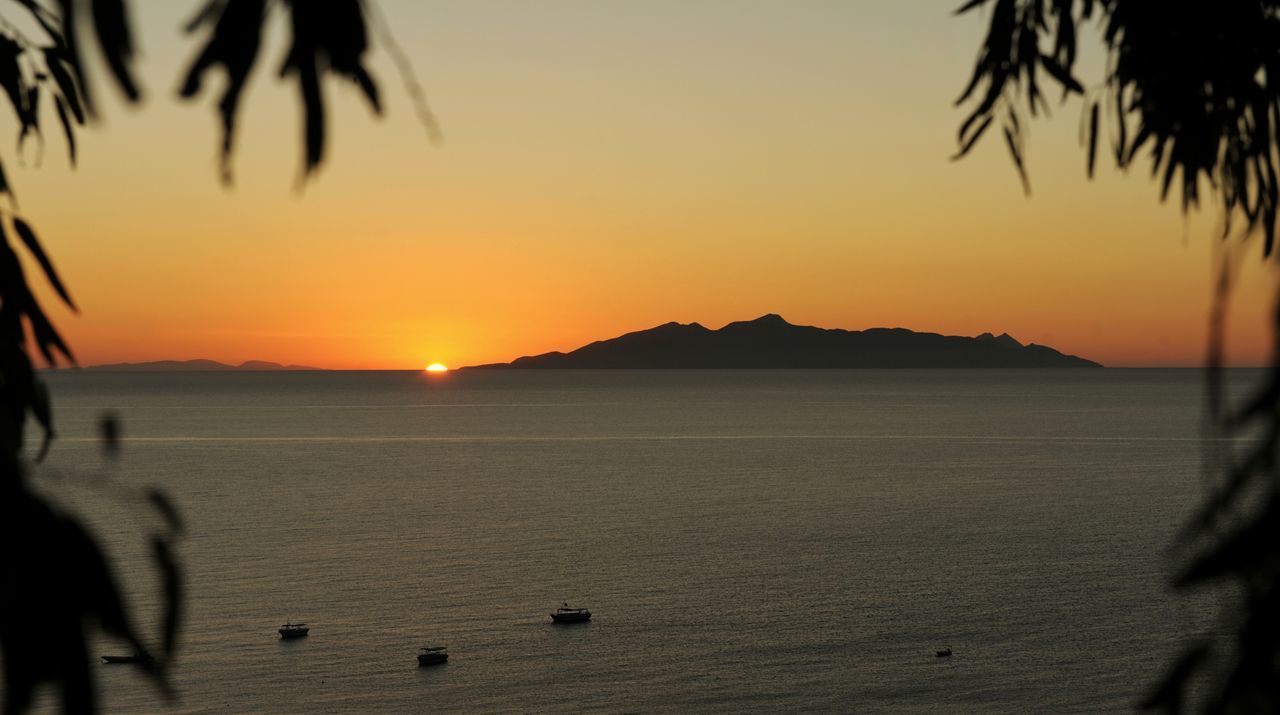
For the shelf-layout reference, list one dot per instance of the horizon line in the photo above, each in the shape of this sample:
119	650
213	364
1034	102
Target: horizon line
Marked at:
100	367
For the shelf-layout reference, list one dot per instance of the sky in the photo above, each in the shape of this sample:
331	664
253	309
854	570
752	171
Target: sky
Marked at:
608	166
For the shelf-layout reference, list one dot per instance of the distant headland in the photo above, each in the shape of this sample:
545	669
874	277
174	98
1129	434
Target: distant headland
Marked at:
771	342
196	366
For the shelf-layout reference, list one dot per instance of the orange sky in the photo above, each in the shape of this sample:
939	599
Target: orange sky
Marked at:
609	166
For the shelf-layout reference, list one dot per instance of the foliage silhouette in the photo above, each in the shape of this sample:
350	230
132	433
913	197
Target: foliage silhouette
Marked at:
1194	84
328	37
54	593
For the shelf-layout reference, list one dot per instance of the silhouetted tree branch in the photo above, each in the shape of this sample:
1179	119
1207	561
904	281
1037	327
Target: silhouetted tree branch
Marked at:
56	585
327	38
1196	86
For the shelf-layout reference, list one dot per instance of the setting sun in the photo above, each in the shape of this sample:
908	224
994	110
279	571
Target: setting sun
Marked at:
437	367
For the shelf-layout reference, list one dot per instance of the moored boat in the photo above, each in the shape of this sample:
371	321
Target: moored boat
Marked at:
564	614
293	630
141	657
434	655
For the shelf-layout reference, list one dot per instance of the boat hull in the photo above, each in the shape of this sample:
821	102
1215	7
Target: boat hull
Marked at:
570	617
291	634
125	659
432	659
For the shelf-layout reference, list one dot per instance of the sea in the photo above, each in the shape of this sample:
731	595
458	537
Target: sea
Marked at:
747	541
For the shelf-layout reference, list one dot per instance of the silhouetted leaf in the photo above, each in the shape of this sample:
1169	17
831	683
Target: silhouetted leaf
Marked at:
368	87
1260	404
969	6
4	182
112	27
973	138
208	13
69	51
967	91
54	60
1016	154
1269	232
301	62
1222	496
12	81
233	43
1169	695
32	243
17	296
171	578
1238	551
968	123
1093	138
44	18
329	38
313	113
47	338
41	579
67	130
42	410
162	504
1069	83
1171	166
32	123
411	85
109	432
1122	129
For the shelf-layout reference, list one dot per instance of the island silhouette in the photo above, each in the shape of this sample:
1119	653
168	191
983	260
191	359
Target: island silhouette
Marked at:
771	342
196	366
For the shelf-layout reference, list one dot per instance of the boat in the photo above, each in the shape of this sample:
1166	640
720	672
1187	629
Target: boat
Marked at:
293	630
564	614
142	657
944	653
434	655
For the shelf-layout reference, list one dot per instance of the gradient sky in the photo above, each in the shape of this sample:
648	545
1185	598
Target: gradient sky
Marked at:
611	165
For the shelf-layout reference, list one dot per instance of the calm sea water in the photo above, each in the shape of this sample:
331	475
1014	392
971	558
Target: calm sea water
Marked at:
747	540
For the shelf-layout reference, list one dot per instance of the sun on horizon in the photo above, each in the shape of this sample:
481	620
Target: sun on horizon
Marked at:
437	367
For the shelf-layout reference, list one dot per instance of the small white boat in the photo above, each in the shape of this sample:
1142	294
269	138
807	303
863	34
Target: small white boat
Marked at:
434	655
564	614
293	630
